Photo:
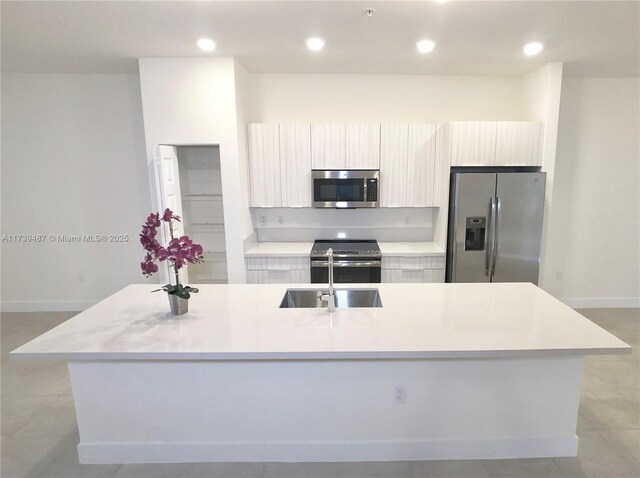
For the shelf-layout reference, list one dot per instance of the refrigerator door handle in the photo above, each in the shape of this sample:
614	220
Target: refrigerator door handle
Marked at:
488	271
496	236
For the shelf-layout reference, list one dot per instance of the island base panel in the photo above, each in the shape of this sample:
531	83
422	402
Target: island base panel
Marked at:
323	410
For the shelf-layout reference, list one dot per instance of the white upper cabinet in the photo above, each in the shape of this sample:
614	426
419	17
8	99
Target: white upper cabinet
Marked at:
473	143
264	165
281	157
421	165
295	164
496	143
362	146
350	146
518	143
408	165
280	165
393	165
328	146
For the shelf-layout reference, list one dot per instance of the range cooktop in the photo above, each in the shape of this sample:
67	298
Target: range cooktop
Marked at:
346	248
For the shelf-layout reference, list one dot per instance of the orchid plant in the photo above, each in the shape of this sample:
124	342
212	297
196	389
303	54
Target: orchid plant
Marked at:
179	252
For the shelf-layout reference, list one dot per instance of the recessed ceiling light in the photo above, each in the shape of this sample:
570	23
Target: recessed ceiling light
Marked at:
206	44
533	48
315	44
425	46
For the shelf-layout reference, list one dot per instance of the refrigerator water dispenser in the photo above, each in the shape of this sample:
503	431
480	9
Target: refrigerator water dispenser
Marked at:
474	234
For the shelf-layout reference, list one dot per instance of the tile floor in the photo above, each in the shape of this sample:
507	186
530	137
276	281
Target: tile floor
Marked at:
39	433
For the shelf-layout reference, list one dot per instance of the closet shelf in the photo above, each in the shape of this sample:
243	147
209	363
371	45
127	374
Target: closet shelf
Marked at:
202	197
208	226
201	166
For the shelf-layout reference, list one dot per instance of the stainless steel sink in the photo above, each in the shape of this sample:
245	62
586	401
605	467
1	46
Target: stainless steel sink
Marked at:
309	298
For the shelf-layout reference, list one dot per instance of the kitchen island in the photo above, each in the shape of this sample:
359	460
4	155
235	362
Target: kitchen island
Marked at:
440	371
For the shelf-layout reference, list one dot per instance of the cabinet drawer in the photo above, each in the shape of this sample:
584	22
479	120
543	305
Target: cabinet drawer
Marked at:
278	277
277	263
404	276
413	263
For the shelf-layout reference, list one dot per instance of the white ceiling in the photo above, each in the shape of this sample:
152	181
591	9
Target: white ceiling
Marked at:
593	38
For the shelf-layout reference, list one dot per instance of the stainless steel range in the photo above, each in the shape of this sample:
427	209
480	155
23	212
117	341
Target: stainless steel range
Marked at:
353	261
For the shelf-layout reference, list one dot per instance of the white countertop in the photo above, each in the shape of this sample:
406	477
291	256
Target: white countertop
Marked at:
243	322
405	249
285	249
297	249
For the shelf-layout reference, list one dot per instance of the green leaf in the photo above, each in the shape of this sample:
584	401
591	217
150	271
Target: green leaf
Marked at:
182	294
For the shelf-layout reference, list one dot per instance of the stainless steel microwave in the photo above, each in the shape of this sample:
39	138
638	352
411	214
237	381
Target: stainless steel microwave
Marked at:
345	188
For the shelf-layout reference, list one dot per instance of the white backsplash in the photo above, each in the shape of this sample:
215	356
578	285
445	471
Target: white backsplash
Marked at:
309	224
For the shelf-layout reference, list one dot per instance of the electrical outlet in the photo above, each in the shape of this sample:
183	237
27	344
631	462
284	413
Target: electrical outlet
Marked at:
407	220
401	394
558	275
263	221
281	220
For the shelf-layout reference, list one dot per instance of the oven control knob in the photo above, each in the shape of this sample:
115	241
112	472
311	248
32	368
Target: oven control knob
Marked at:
377	251
315	251
369	251
323	251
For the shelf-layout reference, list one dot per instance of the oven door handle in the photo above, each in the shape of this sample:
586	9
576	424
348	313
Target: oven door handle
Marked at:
347	263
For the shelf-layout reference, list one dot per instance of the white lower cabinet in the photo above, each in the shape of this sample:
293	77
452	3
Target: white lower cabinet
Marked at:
278	270
412	269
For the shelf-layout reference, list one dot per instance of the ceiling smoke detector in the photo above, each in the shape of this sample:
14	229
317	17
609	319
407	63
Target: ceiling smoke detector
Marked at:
370	12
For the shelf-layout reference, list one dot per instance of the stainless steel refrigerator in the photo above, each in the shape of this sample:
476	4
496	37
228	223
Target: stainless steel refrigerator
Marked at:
495	226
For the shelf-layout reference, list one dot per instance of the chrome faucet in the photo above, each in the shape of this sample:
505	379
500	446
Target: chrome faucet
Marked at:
330	298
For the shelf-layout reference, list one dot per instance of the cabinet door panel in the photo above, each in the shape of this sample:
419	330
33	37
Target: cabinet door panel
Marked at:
328	147
264	165
421	165
434	275
277	263
518	143
267	277
278	277
362	146
411	262
402	276
295	164
473	143
393	165
442	165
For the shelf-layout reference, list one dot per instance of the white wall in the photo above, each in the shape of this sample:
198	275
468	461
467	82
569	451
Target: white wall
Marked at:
541	102
193	101
72	163
383	98
594	237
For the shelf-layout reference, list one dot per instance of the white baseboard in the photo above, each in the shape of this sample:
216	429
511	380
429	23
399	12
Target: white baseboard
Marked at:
299	451
46	305
603	303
